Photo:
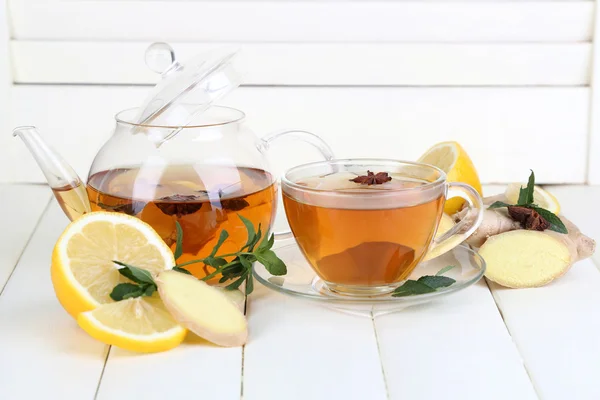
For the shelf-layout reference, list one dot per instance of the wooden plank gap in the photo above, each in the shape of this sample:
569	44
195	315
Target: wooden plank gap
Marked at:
497	302
593	138
37	224
385	383
109	347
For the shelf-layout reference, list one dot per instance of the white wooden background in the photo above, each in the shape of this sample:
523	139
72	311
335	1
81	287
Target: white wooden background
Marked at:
513	81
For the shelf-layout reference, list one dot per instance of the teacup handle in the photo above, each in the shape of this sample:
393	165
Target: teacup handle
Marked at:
302	136
459	232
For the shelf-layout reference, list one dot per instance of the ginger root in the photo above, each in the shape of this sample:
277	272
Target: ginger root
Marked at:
202	309
519	258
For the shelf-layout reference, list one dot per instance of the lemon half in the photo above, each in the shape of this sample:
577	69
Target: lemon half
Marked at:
82	270
451	158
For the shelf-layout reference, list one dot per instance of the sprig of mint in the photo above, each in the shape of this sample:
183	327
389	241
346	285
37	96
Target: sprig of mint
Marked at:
238	270
425	284
526	200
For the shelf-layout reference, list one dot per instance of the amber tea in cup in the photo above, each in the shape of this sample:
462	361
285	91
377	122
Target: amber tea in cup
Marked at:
364	225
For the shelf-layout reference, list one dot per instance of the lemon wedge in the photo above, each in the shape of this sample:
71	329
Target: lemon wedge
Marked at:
451	158
142	325
82	270
541	197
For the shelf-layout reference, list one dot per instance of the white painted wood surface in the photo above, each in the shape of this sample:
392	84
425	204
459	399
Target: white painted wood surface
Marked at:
498	126
593	173
407	64
458	345
304	21
44	353
22	207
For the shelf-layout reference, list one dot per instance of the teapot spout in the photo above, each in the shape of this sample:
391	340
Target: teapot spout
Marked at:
67	187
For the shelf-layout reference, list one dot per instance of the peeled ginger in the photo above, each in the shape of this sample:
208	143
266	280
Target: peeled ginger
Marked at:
202	309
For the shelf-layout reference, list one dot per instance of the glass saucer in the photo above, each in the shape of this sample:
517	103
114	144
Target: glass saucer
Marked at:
301	282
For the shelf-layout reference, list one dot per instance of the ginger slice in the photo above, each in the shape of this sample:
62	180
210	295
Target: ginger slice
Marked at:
202	309
523	258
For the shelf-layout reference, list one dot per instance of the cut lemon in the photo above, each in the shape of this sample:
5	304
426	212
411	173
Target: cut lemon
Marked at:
451	158
142	324
541	197
82	270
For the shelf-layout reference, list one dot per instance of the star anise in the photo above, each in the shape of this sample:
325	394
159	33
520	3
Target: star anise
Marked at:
529	219
372	178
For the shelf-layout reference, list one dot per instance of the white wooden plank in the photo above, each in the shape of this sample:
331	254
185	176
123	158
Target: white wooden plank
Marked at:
195	367
456	345
556	329
5	73
303	21
593	171
44	353
301	351
23	205
579	204
498	127
318	64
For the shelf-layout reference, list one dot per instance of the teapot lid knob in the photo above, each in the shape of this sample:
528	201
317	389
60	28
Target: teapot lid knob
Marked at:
160	57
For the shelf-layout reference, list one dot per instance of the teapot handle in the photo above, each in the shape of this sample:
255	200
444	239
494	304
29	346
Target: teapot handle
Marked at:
302	136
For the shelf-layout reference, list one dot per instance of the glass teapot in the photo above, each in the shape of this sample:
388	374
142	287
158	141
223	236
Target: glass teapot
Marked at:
171	161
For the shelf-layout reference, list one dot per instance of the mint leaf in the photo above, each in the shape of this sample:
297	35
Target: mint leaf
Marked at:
149	290
249	284
125	290
126	272
498	204
267	244
249	229
444	270
222	237
237	283
272	263
256	239
179	245
555	223
215	262
140	275
526	194
182	270
436	282
411	288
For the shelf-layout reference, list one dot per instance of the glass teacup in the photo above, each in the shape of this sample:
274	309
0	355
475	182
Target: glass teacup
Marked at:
364	225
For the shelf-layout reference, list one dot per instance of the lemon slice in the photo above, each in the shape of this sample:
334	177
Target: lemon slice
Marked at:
541	197
451	158
82	270
142	324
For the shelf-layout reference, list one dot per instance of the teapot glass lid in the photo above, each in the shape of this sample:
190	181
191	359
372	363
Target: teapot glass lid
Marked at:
199	81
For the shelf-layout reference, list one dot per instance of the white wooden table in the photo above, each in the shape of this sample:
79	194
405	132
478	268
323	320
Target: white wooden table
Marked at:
485	342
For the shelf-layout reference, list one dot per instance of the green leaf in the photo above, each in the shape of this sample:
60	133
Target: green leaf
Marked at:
126	272
249	229
238	283
498	204
215	262
436	282
244	260
272	263
179	245
267	244
126	290
411	288
140	275
526	194
249	284
149	290
256	239
222	237
445	269
555	223
182	270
